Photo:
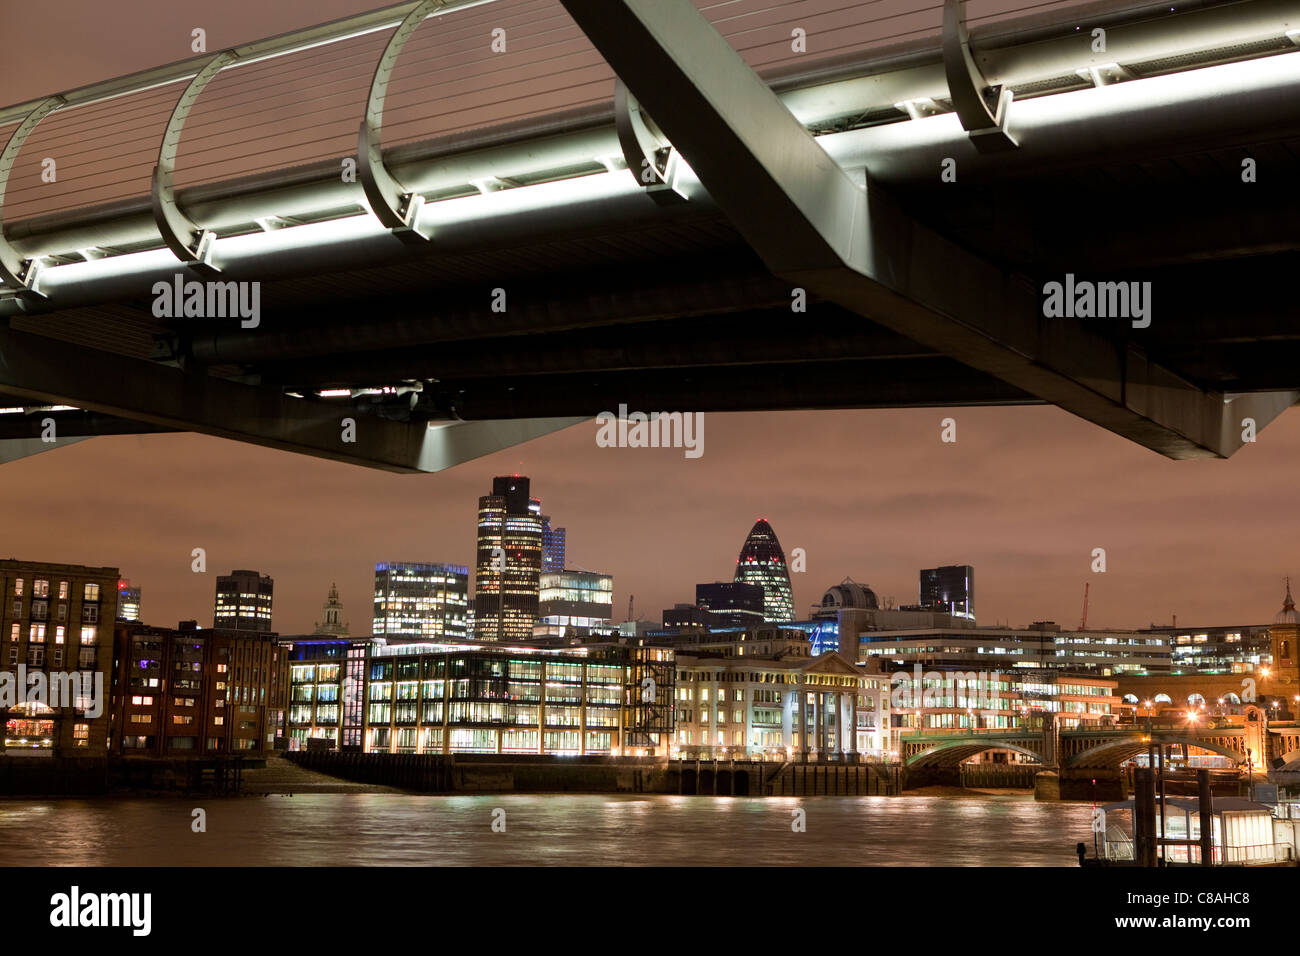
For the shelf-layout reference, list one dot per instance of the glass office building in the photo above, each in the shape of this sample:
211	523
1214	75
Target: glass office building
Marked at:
576	600
509	562
421	602
762	562
477	698
950	589
553	544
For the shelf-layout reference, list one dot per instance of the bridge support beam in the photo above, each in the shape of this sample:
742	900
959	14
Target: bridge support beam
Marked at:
840	238
43	369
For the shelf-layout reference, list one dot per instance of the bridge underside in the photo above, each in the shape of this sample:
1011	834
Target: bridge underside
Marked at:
920	292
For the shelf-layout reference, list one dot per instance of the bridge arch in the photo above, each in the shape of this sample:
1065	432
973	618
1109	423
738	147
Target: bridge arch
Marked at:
1111	755
951	753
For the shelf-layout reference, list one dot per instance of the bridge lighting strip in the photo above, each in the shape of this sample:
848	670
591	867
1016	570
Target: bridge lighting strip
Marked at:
1062	123
336	241
891	151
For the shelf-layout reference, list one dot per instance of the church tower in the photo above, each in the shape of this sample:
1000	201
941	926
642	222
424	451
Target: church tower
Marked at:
333	625
1282	634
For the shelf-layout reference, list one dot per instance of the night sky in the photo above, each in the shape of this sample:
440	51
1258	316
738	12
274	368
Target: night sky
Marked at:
1024	495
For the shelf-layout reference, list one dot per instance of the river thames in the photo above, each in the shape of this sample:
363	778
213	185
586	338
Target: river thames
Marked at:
399	829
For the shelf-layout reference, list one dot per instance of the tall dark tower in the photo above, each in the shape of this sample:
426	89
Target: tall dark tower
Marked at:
509	563
243	601
950	589
762	562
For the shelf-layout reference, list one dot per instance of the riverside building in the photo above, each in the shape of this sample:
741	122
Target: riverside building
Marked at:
56	621
760	693
194	692
377	697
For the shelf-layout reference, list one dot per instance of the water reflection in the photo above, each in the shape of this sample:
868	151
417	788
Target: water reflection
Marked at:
403	830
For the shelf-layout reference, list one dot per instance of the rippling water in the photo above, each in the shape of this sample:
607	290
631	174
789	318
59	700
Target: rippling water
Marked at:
402	829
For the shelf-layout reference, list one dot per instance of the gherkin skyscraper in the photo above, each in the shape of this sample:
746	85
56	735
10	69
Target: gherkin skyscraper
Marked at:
762	562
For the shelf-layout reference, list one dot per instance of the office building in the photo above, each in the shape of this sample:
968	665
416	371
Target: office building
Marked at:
421	602
574	604
942	698
1229	649
759	693
508	565
326	696
553	544
683	617
56	653
1043	645
430	698
128	601
191	692
243	601
732	603
950	589
849	609
762	562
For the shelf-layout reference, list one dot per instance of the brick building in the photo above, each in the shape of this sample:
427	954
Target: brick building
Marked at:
191	691
56	631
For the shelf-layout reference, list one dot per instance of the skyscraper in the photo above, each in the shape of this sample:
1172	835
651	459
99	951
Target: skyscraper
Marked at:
950	589
421	602
509	562
243	601
552	546
128	601
762	562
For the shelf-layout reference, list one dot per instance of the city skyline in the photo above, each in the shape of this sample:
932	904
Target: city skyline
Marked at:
657	524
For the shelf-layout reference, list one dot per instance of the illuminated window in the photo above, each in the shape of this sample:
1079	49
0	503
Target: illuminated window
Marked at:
91	592
88	635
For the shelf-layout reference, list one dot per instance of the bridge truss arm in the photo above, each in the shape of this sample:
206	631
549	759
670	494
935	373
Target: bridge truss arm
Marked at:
47	370
824	229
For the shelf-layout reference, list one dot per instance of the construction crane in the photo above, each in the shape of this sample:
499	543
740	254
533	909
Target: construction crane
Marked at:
1083	621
